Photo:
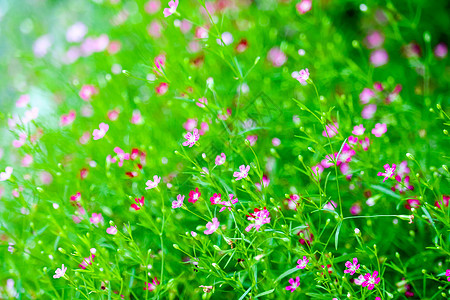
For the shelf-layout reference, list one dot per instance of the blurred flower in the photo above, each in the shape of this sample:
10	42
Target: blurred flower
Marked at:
96	218
202	102
389	171
294	284
352	267
226	37
191	138
162	88
7	174
242	46
369	111
358	129
441	50
60	272
220	159
173	4
23	101
67	119
276	57
87	261
412	203
242	173
252	139
100	133
402	187
379	130
265	182
152	184
111	230
374	40
41	46
304	6
154	29
152	6
87	91
379	57
365	143
27	160
151	286
212	226
76	32
215	199
302	76
206	288
331	130
136	118
302	263
366	95
139	203
445	200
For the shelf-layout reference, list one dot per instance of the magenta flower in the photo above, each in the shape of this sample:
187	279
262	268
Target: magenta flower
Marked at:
215	199
242	173
7	174
152	184
151	286
87	91
139	203
259	218
191	138
162	88
441	50
87	261
447	273
294	284
365	143
60	272
331	130
379	130
179	202
389	172
228	204
358	129
265	183
173	4
302	76
100	133
445	201
371	280
304	6
111	230
220	159
302	263
194	195
212	226
351	267
67	119
96	218
374	39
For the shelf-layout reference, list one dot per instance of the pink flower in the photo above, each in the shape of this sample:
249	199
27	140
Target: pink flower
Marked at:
252	139
30	115
265	182
358	130
113	114
351	267
277	57
96	218
441	50
76	32
355	209
379	130
7	174
190	124
402	187
331	130
154	29
136	118
359	280
179	202
27	160
228	204
403	168
259	218
152	6
374	39
173	4
371	280
365	143
152	184
202	102
191	138
215	199
87	261
67	119
111	230
220	159
304	6
352	140
412	203
369	111
276	142
389	172
294	284
379	57
204	127
100	133
302	262
438	203
60	272
227	39
162	88
302	76
139	203
23	101
331	205
242	173
41	46
292	202
194	195
151	286
447	273
317	171
87	91
366	95
212	226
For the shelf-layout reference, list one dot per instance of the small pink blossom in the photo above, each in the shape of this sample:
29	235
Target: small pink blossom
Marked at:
371	280
276	57
96	218
30	115
152	6
228	204
220	159
302	76
202	102
111	230
173	4
139	203
190	124
258	218
304	6
444	202
215	199
365	143
294	284
331	205
23	101
331	130
402	168
162	88
369	111
113	115
379	130
360	280
151	286
352	267
441	50
152	184
366	95
292	201
27	160
447	273
265	182
76	32
7	174
67	119
154	29
242	173
87	261
358	130
355	209
252	139
136	118
204	127
87	91
194	195
402	187
276	142
374	40
379	57
212	226
100	133
191	138
60	272
302	263
389	171
179	202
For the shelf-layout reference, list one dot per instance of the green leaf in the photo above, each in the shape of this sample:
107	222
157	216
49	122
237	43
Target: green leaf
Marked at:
245	294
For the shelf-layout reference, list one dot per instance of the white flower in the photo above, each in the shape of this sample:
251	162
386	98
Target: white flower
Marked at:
60	272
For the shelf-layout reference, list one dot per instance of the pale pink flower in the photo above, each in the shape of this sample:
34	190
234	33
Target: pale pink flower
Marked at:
179	202
379	130
113	114
358	130
369	111
227	39
379	57
41	46
30	115
204	127
154	29
228	204
265	182
212	226
87	261
60	272
389	171
111	230
162	88
21	141
276	142
67	119
76	32
359	280
277	57
331	205
441	50
23	101
317	170
173	4
87	91
365	143
302	76
202	102
252	139
113	48
152	184
242	173
374	40
258	218
403	168
331	130
302	263
294	284
191	138
351	267
96	218
27	160
304	6
190	124
201	33
100	133
220	159
84	139
152	6
7	174
366	95
355	209
136	118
